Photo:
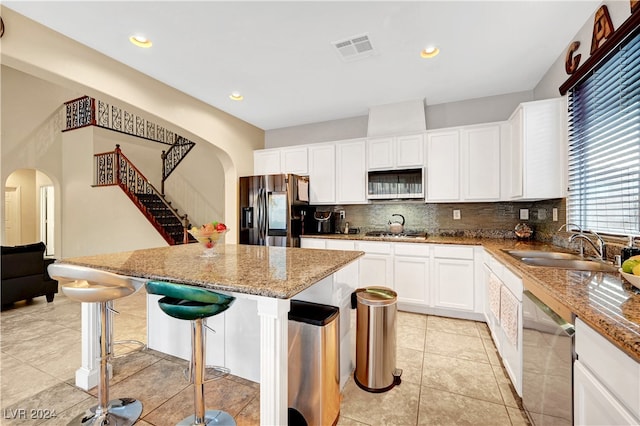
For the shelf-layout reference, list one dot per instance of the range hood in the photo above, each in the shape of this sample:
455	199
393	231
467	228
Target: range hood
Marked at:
397	118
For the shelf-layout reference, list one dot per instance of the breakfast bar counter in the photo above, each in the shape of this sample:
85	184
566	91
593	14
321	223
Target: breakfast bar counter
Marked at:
269	275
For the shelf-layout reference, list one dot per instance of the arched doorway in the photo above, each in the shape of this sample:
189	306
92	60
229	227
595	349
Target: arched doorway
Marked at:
29	209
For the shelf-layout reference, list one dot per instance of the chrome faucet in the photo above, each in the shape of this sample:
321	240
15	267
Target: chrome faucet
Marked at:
599	248
567	225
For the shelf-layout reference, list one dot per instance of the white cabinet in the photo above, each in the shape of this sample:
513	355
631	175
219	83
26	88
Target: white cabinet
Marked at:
537	150
503	313
443	176
281	160
606	381
314	243
480	163
322	174
463	164
411	266
294	160
405	151
376	266
351	174
453	278
266	162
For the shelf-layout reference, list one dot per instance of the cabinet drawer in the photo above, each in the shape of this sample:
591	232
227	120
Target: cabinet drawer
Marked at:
340	245
512	282
453	252
417	250
373	247
618	372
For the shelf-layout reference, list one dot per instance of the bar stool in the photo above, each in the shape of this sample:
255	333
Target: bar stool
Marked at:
193	304
89	285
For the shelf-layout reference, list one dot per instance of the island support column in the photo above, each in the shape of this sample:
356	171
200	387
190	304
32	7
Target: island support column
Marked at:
89	371
274	352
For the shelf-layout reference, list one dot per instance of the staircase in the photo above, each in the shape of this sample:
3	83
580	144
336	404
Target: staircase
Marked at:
164	216
114	168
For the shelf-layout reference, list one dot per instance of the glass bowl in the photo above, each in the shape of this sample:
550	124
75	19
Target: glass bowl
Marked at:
207	239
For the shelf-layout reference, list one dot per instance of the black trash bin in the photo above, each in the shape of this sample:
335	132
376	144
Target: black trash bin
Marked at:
376	309
314	364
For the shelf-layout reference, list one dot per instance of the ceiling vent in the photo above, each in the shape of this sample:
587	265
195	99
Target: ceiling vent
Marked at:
356	47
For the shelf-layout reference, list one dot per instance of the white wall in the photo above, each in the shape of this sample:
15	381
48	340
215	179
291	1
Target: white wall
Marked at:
556	75
471	111
38	51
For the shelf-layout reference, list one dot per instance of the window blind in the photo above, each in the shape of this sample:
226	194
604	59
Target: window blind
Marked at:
604	145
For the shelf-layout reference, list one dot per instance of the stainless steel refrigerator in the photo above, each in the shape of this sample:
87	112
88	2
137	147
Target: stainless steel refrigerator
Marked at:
273	209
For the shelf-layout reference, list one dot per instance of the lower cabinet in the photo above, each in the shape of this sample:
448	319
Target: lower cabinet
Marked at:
503	314
376	266
606	381
453	273
411	271
439	279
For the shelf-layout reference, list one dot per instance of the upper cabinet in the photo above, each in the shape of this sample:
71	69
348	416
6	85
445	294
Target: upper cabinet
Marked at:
281	160
351	174
396	152
463	164
322	174
537	150
443	164
480	162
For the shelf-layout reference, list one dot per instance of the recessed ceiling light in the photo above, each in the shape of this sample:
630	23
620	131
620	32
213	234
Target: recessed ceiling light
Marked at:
140	41
429	52
236	96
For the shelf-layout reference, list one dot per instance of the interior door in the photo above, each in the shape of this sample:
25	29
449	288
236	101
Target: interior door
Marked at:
12	224
47	218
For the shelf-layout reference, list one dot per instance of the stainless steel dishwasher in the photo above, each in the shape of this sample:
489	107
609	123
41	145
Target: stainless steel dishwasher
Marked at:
547	364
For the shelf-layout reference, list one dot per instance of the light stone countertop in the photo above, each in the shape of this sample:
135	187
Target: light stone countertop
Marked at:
605	301
277	272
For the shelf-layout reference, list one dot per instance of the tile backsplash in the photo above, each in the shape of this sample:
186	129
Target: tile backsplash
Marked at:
487	220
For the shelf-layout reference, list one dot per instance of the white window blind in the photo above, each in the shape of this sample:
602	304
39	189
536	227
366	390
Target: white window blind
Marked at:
604	145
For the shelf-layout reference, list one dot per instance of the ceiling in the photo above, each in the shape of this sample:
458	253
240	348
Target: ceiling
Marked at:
280	55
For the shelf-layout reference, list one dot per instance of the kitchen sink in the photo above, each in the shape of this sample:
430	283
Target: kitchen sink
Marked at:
560	260
539	254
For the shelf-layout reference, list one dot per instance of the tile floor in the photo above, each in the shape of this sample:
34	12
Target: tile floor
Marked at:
452	375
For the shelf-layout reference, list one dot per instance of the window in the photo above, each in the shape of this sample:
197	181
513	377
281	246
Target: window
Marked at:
604	145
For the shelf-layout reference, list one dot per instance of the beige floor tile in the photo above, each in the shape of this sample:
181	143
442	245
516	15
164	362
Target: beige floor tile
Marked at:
409	319
518	417
447	364
439	407
470	378
453	325
456	346
398	406
410	337
410	361
508	392
20	380
44	405
250	414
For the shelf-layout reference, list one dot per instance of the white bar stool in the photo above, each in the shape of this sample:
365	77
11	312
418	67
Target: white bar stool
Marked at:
89	285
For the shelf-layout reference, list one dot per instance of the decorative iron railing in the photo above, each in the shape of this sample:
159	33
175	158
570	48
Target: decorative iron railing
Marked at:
86	111
114	168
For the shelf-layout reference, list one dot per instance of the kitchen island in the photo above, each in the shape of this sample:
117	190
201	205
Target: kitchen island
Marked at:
269	275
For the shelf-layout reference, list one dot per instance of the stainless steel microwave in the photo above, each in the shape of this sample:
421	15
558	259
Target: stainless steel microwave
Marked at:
395	184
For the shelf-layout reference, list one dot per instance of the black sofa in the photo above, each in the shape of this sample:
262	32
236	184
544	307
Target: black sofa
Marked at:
24	274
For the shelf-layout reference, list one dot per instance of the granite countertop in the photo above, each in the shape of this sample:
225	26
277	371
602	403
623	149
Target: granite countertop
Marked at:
278	272
604	301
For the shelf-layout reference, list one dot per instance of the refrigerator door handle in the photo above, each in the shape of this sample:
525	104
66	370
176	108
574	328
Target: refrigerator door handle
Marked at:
262	214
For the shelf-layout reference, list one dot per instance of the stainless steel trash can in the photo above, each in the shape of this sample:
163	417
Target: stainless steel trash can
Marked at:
376	309
314	363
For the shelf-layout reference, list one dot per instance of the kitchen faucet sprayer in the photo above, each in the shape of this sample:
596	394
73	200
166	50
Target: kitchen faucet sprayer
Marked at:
600	247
